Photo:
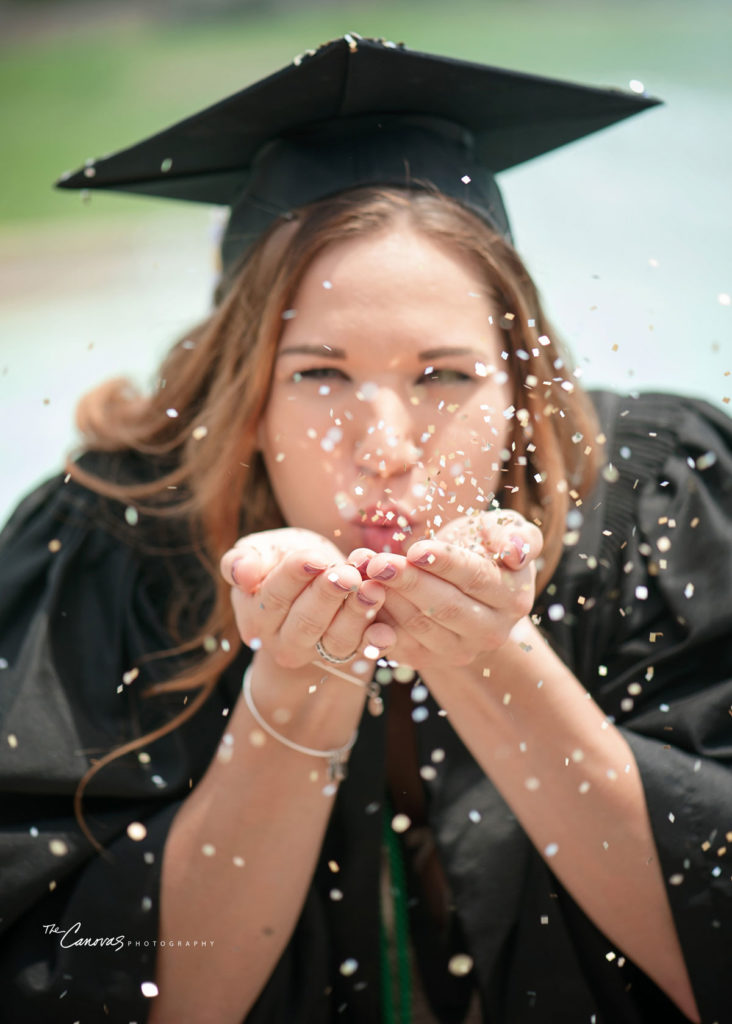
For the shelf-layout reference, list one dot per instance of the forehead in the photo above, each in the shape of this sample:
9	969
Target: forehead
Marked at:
395	282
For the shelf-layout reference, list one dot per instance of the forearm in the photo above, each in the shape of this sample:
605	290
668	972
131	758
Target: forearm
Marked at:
572	781
241	853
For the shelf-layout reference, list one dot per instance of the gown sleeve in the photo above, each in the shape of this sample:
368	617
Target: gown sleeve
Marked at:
78	612
646	601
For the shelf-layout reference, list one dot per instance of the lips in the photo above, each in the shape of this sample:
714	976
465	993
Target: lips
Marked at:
385	528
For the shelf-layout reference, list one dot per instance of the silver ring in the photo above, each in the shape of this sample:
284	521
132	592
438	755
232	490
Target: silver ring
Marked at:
327	656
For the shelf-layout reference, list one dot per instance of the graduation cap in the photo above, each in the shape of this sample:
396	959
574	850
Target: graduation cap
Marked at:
358	112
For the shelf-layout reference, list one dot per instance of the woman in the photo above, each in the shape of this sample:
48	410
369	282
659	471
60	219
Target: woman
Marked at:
378	437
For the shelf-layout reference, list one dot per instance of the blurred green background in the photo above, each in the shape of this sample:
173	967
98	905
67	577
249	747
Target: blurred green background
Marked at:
627	232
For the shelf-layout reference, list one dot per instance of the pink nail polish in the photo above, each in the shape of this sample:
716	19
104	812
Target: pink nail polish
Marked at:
518	543
234	564
312	569
363	599
387	573
426	559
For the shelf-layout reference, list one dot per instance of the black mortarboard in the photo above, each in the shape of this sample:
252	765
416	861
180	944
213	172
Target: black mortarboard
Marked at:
358	112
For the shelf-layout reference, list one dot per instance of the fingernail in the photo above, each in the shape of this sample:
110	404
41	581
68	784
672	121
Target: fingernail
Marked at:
387	573
313	569
426	559
234	564
333	577
521	547
363	599
361	567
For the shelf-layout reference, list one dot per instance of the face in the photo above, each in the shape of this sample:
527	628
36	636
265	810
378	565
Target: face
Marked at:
386	415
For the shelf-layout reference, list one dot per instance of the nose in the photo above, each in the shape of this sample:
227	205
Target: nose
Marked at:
387	441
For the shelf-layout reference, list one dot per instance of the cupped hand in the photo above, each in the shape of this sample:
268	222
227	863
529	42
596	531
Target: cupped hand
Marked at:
460	594
292	588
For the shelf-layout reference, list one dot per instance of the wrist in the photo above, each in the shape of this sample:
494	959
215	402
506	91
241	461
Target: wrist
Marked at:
313	705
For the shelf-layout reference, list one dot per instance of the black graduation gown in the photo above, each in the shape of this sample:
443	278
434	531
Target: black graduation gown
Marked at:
642	596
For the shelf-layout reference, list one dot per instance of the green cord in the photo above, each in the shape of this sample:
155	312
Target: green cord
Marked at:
401	1013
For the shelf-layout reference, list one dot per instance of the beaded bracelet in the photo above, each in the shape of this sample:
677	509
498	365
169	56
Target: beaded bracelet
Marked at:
336	758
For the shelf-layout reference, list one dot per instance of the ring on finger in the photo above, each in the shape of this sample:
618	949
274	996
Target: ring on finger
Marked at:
327	656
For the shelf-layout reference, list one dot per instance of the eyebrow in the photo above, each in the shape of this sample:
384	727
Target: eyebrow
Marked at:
329	352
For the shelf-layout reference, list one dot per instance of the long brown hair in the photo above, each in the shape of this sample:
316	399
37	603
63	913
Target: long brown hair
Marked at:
201	422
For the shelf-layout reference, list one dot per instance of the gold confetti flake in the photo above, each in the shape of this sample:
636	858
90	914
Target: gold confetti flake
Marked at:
54	546
208	850
136	831
334	866
130	676
401	822
199	433
58	847
12	740
238	862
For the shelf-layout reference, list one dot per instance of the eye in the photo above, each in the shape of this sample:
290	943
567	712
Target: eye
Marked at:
443	375
320	373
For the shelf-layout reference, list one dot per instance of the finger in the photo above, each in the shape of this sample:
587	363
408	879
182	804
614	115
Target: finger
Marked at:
512	539
313	610
481	578
423	626
504	535
242	567
345	634
359	558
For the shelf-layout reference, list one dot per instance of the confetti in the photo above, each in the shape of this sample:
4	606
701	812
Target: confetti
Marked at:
54	546
199	433
532	783
131	676
171	413
420	714
149	989
438	755
136	831
584	787
551	849
348	967
58	847
12	740
401	822
475	816
238	862
208	850
460	964
428	773
706	460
